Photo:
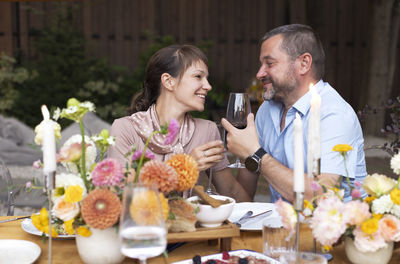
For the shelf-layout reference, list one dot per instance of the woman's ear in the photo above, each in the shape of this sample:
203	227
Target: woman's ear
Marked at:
167	81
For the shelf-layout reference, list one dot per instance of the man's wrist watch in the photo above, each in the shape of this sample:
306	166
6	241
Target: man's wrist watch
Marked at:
253	162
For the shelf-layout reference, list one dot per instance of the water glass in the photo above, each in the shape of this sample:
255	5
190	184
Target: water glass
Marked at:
302	257
276	239
142	228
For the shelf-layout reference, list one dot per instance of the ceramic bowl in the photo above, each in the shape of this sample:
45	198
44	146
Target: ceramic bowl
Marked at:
207	216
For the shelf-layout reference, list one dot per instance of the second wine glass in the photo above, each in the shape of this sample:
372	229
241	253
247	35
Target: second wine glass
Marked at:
236	113
142	228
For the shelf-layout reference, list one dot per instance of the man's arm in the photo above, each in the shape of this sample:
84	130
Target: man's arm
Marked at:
271	169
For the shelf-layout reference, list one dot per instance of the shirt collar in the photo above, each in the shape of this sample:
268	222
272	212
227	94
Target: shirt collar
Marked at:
303	104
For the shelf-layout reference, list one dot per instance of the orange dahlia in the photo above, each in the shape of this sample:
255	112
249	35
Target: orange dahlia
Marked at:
159	173
145	208
187	170
101	209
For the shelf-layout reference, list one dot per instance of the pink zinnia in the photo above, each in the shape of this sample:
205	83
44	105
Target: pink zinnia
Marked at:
107	172
287	213
173	129
147	155
355	193
37	164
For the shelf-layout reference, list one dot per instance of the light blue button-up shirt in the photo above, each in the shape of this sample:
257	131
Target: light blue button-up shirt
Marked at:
339	125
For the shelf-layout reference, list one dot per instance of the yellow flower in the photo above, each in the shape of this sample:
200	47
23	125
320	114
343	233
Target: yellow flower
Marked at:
309	205
73	194
369	199
342	148
370	226
68	227
377	216
164	205
395	196
326	248
145	208
83	231
41	222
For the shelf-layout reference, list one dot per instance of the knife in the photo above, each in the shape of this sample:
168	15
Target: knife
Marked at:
14	219
265	213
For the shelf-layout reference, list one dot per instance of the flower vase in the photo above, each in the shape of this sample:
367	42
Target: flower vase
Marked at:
381	256
102	247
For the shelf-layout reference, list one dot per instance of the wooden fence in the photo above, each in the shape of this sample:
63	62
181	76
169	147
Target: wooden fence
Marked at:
116	30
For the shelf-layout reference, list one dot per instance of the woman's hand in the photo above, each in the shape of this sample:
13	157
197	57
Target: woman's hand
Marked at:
208	154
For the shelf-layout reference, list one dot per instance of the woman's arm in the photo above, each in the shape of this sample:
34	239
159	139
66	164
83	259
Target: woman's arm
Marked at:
226	184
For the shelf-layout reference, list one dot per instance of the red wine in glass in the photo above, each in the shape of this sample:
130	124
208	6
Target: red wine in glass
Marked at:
236	113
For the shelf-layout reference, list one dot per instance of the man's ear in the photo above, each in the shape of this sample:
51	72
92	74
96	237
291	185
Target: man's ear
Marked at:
167	81
305	62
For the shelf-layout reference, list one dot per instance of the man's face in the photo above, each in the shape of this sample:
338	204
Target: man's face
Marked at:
277	71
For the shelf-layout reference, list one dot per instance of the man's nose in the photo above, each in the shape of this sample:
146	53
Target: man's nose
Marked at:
262	73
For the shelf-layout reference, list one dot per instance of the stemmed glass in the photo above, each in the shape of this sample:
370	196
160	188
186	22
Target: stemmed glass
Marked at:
142	227
236	113
209	190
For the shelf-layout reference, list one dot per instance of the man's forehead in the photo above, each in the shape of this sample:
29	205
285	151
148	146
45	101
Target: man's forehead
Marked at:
270	48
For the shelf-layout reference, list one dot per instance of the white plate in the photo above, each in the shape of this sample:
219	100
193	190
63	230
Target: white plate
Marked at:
28	227
14	251
240	253
254	224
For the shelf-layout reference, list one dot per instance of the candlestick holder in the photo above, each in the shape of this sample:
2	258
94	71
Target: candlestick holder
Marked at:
298	206
49	183
316	170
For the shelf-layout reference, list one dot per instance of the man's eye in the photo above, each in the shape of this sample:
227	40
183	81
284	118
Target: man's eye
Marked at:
198	76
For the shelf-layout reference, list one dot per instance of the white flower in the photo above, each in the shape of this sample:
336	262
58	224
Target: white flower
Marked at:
88	105
56	114
71	109
396	210
96	138
378	184
39	132
64	180
395	163
111	141
382	205
64	210
91	153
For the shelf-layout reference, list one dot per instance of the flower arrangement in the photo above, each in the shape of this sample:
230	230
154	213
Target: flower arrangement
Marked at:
372	222
89	194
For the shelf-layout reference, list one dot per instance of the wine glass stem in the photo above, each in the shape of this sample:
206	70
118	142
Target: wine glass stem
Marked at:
209	181
142	261
238	161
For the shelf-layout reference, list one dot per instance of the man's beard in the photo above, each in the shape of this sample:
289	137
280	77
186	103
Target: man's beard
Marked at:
279	90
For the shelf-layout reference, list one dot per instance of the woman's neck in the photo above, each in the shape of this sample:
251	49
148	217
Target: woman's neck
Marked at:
165	111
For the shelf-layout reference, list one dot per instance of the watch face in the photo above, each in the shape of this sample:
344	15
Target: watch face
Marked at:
251	164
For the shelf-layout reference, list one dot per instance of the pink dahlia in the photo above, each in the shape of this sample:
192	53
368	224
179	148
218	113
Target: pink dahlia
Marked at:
287	213
159	173
173	129
327	222
356	212
368	243
107	172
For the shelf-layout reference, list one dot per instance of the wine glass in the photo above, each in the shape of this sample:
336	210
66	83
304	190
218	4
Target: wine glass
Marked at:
142	227
236	113
209	189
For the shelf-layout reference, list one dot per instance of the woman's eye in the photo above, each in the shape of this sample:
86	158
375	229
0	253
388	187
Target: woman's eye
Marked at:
198	76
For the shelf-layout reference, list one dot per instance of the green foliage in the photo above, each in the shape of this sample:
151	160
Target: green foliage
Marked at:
10	78
64	71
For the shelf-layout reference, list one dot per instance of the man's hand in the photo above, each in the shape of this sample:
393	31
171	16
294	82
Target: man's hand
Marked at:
242	142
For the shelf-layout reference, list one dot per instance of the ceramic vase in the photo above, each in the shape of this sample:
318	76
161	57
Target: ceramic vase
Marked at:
381	256
102	247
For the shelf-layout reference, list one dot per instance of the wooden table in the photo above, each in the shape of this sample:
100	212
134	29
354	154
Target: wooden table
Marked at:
64	251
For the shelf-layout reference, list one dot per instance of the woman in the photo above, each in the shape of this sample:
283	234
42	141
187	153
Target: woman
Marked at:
175	84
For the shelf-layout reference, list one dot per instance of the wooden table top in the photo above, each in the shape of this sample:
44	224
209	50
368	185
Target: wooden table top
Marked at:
65	251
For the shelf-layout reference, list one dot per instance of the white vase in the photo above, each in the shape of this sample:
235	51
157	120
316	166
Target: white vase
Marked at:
102	247
381	256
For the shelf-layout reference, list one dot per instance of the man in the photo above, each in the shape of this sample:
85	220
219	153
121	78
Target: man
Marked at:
291	59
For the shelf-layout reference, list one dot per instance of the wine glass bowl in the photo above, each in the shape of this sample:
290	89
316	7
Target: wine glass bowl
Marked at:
142	228
236	113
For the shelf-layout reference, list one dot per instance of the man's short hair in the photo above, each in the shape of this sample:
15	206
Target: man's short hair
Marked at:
298	39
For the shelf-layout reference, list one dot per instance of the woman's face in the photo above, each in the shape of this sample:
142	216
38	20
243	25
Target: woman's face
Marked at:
191	90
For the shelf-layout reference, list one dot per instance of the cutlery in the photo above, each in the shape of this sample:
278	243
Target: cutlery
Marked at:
242	221
14	219
244	217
